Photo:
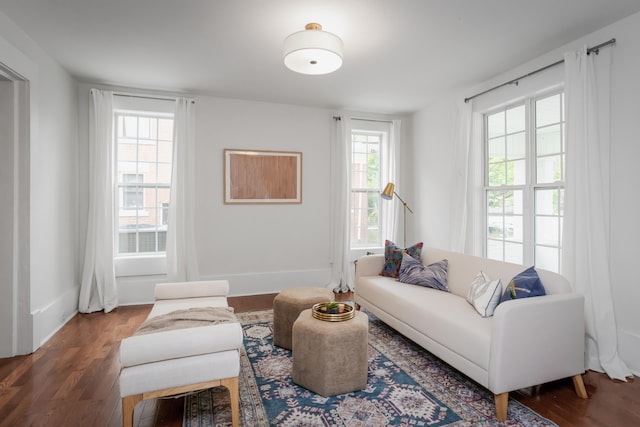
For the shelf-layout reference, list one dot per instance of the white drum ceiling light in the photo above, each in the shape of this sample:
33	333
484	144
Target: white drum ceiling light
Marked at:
313	51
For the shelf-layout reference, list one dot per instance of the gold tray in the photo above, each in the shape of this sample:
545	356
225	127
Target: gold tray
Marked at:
319	311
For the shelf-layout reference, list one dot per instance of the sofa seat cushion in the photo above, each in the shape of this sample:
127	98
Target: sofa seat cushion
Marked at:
178	343
444	317
169	305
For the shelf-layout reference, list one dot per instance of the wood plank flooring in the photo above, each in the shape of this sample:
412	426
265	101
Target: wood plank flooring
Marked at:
72	380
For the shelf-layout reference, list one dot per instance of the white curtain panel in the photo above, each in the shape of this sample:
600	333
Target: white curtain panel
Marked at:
182	262
341	269
474	241
98	290
391	210
585	255
460	178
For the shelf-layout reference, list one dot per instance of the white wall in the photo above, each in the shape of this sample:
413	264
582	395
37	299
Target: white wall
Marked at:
263	248
432	142
625	176
432	156
258	248
51	184
54	268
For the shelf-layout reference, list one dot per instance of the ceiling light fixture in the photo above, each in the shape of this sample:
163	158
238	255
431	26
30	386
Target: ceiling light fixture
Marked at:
313	51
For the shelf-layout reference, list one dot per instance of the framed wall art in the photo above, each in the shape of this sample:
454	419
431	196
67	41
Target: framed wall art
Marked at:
258	176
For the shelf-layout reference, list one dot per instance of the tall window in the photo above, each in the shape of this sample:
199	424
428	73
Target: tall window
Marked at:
524	182
144	153
366	148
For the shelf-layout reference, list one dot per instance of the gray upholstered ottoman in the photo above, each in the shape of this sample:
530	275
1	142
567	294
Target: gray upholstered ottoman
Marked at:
330	358
288	304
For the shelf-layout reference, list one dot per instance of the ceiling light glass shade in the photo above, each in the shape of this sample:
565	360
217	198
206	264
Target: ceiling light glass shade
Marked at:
313	51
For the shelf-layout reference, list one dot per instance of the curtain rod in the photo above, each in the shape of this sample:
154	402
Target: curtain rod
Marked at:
130	95
372	120
595	49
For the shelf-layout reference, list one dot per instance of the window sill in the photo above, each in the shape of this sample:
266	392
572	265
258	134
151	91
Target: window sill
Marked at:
140	265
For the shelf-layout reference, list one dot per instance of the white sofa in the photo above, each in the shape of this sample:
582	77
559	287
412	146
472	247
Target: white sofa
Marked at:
177	361
526	342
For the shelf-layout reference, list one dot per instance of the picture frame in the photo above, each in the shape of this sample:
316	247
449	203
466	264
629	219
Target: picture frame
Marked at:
262	177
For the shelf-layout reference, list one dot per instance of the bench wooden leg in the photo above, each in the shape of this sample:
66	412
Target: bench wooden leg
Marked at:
502	403
130	402
232	385
578	384
128	405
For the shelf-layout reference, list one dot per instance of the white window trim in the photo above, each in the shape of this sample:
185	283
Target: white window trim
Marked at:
141	264
371	127
528	256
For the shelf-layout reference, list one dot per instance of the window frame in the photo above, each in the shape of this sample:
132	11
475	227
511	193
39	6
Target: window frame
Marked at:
388	153
144	263
531	185
369	191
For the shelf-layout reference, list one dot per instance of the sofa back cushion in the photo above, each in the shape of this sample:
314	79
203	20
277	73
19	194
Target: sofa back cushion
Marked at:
463	268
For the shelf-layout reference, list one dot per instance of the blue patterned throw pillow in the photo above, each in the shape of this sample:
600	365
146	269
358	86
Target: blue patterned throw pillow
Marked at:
525	284
432	276
393	257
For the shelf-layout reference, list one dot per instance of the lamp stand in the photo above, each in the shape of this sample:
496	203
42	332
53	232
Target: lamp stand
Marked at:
387	194
404	221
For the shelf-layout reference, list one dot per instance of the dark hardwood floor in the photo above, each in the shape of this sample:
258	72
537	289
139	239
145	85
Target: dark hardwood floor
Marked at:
72	380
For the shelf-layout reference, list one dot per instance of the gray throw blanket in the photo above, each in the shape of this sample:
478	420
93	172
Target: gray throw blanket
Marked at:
190	318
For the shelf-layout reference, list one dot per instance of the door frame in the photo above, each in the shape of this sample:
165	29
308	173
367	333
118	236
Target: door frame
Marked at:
19	285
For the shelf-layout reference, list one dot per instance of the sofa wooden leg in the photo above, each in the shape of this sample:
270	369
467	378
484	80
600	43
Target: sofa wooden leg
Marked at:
578	384
128	405
502	403
232	385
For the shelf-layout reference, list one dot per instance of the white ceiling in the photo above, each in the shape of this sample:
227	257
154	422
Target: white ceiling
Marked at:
397	54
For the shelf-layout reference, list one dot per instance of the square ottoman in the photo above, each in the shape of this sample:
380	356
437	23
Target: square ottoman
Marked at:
330	358
288	304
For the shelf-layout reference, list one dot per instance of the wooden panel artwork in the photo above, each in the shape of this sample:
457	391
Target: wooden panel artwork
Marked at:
262	176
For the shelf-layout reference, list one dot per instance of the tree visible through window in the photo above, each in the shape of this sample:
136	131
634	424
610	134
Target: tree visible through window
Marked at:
524	175
144	153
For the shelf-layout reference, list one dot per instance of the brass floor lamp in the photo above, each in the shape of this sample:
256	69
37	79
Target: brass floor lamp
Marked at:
387	194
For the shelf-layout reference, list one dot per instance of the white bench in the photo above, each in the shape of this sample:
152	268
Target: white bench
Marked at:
182	360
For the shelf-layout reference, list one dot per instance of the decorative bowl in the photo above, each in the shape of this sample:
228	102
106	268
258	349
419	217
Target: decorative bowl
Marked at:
321	311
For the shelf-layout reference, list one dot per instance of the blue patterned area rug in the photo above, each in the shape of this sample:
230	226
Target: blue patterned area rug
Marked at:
407	386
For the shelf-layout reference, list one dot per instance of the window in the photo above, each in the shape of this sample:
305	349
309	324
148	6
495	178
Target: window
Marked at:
144	152
524	182
366	149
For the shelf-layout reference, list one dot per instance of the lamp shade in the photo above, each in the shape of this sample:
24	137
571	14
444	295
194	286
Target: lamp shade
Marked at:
388	191
313	51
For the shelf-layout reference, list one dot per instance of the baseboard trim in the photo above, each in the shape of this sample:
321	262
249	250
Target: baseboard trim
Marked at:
140	290
273	282
50	319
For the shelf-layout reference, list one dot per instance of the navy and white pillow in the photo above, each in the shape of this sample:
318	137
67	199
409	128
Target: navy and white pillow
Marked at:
525	284
484	294
432	276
